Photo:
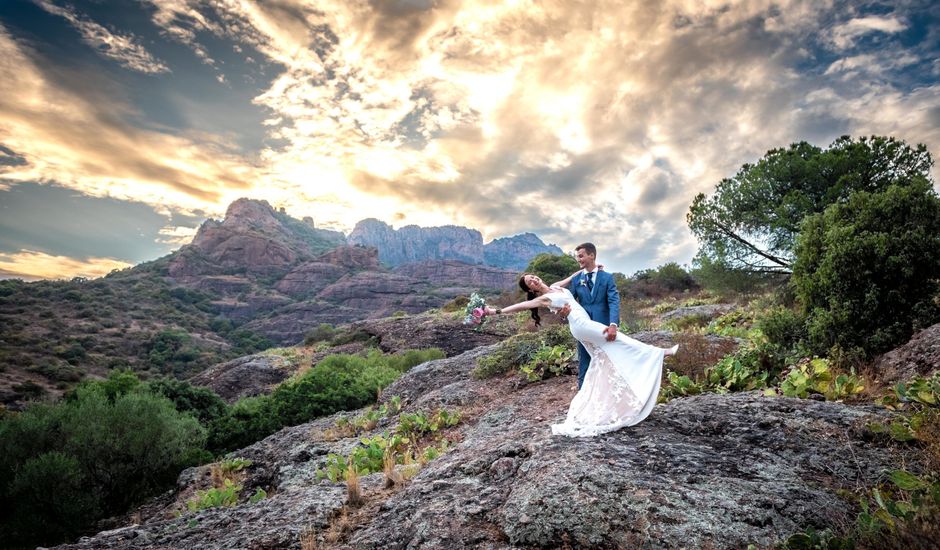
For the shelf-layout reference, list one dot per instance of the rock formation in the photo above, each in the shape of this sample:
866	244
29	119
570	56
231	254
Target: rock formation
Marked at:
920	356
252	238
516	252
709	471
451	273
414	244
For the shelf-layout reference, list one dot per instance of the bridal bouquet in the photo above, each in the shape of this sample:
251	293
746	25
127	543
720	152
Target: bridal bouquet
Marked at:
475	312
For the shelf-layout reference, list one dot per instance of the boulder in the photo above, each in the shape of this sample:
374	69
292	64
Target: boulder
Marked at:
920	356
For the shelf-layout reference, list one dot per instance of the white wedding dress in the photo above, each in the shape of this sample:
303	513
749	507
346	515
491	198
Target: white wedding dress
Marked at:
622	382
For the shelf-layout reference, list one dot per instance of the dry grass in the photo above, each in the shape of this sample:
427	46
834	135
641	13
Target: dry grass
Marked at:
392	476
308	538
353	491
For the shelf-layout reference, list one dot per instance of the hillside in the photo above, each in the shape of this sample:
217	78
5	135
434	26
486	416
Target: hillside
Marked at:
255	279
707	471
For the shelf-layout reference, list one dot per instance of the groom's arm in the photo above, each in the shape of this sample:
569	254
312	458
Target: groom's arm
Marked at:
613	301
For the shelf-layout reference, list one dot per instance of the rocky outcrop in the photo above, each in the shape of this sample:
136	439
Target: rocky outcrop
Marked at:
515	253
417	244
710	471
414	244
252	238
451	273
918	357
310	278
244	377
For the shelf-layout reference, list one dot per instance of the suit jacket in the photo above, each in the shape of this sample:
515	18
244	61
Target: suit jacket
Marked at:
603	304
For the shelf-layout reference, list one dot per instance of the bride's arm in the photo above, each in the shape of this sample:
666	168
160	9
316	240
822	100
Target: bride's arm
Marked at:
540	301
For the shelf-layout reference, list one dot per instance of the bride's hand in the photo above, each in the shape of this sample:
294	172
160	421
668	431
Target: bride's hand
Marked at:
490	311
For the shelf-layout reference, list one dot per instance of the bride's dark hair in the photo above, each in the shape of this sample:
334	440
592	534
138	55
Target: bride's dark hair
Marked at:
529	296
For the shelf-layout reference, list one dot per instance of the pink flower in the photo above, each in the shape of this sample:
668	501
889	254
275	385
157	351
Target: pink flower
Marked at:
479	313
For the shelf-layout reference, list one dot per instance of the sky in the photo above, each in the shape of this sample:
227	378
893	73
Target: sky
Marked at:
126	123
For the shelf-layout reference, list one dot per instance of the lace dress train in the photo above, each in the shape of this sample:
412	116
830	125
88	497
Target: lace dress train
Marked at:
621	384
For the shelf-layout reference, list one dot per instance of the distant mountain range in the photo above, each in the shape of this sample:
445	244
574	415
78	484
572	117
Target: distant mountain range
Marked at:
450	242
258	277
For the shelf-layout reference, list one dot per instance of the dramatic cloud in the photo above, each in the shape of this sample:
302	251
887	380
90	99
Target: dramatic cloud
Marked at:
29	265
576	120
66	130
122	48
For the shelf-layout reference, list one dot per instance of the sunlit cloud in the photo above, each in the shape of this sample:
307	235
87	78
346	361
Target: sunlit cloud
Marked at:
120	47
30	265
596	120
845	34
81	139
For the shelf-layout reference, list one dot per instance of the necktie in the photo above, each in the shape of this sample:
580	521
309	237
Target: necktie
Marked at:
590	281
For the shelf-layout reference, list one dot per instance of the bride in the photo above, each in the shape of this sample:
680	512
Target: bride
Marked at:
622	383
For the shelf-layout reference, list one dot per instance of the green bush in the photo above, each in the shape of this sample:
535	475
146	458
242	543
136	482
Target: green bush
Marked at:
866	269
337	383
552	267
520	349
782	327
109	452
322	333
816	377
203	403
548	361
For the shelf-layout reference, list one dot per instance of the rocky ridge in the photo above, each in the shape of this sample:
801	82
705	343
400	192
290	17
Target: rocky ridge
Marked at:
719	471
412	244
280	276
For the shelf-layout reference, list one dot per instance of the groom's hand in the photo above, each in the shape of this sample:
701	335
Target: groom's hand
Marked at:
565	311
611	333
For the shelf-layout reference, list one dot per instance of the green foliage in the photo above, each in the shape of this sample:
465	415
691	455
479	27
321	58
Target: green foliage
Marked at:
744	370
921	390
215	497
782	327
97	452
816	376
752	220
521	349
551	267
171	350
324	332
202	403
548	361
891	507
338	382
678	386
734	324
403	446
260	494
866	269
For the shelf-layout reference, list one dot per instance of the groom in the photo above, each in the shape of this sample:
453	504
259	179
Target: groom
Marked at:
596	292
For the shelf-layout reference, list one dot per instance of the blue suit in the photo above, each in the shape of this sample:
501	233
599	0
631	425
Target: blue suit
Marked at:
602	305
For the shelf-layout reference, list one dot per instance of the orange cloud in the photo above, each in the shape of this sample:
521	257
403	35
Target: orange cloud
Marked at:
30	265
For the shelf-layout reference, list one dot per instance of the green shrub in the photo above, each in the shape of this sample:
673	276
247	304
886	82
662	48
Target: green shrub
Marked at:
866	269
52	499
521	349
816	376
203	403
678	386
782	327
215	497
323	332
113	451
548	361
